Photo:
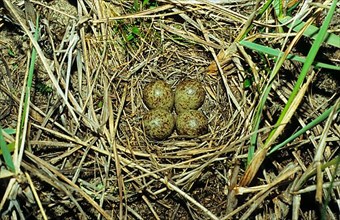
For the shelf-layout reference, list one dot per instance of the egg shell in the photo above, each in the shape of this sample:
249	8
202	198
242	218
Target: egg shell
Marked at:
189	94
158	94
158	124
191	123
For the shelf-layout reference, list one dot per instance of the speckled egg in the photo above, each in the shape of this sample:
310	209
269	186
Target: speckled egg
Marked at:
158	124
191	123
158	94
189	94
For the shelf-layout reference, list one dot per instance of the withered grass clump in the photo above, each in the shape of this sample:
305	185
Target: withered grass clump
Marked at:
85	153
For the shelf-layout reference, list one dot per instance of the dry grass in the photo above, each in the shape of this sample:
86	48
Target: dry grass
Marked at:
86	155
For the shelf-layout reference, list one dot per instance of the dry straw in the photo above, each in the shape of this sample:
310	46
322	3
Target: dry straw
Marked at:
85	140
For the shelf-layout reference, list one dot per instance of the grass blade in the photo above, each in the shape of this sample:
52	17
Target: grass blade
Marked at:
257	118
310	125
305	69
255	162
19	150
6	152
273	52
312	31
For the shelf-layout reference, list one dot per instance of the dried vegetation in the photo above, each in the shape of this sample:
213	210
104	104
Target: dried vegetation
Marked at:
84	153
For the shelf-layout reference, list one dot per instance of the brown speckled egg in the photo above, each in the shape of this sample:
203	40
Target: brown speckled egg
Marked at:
191	123
158	94
158	124
189	94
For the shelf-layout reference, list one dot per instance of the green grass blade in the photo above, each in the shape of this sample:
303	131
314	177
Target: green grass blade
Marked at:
257	119
278	8
25	111
30	74
312	31
310	125
6	152
259	109
263	98
259	14
9	131
253	138
305	68
10	147
302	76
273	52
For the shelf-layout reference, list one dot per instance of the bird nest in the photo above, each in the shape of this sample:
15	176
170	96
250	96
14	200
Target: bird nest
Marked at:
86	153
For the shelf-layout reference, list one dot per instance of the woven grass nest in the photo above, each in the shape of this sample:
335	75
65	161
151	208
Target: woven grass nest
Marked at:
85	152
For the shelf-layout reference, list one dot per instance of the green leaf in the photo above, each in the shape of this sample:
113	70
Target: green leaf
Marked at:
130	37
247	83
277	4
11	53
9	131
291	9
311	31
6	152
135	30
